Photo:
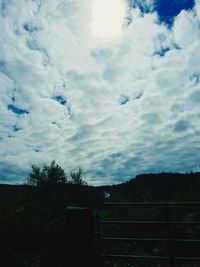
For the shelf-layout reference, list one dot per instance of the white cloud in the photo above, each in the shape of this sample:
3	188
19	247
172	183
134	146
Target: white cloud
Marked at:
47	50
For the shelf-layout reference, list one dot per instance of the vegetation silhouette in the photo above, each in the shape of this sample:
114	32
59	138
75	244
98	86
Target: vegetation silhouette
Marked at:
33	223
76	177
51	174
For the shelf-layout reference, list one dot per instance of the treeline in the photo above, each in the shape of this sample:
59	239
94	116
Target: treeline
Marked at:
32	216
158	187
53	174
32	221
162	187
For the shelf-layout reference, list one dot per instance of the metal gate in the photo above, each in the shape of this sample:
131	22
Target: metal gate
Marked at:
169	224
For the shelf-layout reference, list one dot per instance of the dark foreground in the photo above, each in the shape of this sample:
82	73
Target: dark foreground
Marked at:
33	221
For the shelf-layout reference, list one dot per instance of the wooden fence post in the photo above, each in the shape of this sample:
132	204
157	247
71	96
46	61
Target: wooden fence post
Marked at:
79	237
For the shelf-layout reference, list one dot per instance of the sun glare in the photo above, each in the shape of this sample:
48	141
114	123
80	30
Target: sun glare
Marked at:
107	18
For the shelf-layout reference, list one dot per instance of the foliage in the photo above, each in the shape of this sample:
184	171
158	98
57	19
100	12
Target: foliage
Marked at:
32	227
76	177
51	174
32	221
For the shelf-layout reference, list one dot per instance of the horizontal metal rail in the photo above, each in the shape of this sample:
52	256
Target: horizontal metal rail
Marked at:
148	239
168	226
148	203
148	222
144	257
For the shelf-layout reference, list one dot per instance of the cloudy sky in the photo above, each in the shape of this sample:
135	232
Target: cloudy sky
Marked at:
110	86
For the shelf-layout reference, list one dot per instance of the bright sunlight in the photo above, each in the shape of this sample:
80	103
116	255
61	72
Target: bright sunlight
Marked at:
107	18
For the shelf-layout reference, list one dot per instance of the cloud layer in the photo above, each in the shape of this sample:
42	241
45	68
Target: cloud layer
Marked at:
116	108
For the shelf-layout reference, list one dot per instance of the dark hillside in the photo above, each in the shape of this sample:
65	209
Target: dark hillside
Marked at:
144	187
158	187
32	221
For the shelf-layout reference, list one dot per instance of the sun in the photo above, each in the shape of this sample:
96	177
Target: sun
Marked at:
107	18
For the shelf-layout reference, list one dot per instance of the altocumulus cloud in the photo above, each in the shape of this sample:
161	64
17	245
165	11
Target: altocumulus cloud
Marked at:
115	108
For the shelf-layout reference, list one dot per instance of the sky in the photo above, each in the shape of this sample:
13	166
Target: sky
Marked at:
113	88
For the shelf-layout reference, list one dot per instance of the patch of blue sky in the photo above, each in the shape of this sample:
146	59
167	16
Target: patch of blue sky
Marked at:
162	51
63	101
16	128
124	99
195	77
30	28
13	97
17	110
60	99
168	9
144	7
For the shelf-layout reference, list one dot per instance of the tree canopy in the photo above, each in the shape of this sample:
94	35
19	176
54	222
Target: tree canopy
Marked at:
76	177
51	174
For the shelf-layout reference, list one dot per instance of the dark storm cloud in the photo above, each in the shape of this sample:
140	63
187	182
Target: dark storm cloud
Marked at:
11	174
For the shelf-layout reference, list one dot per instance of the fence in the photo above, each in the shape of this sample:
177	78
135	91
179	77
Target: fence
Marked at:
167	222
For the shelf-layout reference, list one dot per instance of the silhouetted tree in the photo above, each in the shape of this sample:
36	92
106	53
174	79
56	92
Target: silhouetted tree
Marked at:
51	174
36	177
76	177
